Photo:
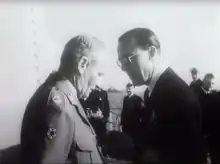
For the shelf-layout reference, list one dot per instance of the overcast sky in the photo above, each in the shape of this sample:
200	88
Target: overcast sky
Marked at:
189	36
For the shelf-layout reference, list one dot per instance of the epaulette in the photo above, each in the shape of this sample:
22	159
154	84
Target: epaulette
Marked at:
56	98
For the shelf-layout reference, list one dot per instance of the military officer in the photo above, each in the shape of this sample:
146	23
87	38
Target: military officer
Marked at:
55	127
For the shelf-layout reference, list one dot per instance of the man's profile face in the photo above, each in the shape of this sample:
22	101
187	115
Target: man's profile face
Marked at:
129	61
129	90
93	76
209	83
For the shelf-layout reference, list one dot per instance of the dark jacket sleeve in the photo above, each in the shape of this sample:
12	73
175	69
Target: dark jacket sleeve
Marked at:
124	112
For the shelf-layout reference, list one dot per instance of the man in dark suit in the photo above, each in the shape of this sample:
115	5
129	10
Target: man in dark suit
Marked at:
212	124
55	125
173	113
209	100
206	86
196	83
97	108
131	115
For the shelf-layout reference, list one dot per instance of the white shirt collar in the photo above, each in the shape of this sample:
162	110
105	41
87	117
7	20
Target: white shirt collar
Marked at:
131	94
207	92
156	75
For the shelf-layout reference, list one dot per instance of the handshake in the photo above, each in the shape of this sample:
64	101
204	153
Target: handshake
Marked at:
98	114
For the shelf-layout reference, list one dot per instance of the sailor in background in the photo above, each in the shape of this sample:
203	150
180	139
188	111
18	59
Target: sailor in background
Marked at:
97	108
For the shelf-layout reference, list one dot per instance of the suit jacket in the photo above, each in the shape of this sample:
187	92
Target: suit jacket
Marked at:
173	122
211	116
212	121
55	126
131	115
196	85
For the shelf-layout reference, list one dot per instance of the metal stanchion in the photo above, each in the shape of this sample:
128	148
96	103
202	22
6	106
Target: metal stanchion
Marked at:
34	43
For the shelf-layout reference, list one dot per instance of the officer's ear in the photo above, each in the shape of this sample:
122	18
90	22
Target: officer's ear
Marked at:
83	64
152	51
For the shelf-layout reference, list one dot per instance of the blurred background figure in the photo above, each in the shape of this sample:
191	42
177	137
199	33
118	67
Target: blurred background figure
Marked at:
208	83
209	100
131	115
204	88
196	82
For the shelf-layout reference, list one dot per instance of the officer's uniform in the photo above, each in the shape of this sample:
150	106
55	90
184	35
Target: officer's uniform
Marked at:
55	127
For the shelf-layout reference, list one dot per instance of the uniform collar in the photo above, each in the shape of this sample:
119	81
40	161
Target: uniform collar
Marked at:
69	90
98	88
155	77
61	82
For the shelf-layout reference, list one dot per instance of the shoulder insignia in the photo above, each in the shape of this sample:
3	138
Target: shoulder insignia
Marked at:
57	98
71	98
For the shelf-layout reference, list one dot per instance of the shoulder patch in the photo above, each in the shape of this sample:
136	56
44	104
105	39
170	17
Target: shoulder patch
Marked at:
51	133
56	98
72	99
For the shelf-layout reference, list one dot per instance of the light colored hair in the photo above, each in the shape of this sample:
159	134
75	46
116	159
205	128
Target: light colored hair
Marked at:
78	46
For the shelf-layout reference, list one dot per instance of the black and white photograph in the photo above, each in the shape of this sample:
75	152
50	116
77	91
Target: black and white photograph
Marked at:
109	82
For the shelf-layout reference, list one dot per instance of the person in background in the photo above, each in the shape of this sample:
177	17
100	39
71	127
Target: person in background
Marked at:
97	109
55	127
173	112
209	100
131	115
205	89
196	83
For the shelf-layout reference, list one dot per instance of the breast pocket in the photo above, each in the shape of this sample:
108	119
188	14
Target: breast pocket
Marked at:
85	149
85	145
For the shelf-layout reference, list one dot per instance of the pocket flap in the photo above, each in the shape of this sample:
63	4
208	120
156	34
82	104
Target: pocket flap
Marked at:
85	145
